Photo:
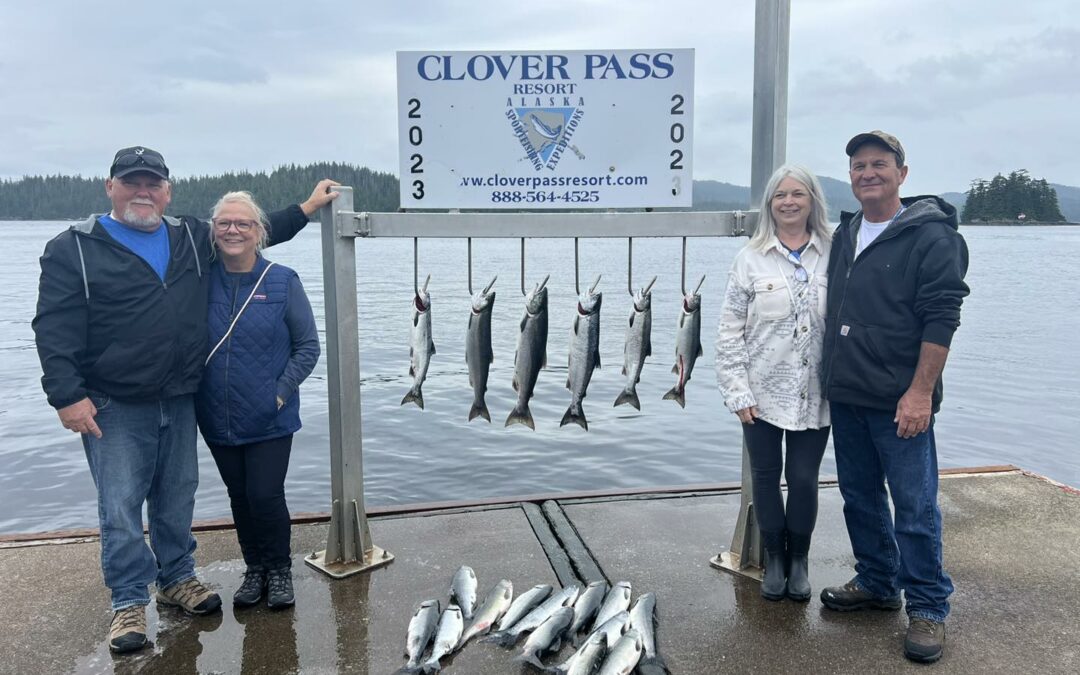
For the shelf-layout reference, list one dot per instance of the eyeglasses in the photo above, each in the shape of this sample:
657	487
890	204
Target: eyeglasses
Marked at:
240	225
801	274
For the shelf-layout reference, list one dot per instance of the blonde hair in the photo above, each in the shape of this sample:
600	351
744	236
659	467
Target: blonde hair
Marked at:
244	198
818	221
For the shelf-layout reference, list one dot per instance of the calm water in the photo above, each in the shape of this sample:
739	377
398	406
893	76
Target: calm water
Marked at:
1011	392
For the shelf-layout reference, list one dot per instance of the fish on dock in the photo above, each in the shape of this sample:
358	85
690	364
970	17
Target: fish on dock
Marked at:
643	620
523	604
547	637
638	345
587	605
478	352
584	353
616	601
531	354
586	660
624	656
687	344
509	636
446	638
421	345
494	606
421	629
613	628
463	591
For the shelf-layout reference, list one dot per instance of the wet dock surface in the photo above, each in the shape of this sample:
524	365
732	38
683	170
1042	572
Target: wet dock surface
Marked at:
1011	547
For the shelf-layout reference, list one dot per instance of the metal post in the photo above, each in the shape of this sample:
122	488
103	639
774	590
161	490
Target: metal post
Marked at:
348	546
771	32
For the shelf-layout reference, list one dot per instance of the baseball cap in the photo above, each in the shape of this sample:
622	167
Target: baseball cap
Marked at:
138	158
879	137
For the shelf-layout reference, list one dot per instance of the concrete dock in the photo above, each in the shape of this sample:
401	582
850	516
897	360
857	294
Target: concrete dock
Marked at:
1011	547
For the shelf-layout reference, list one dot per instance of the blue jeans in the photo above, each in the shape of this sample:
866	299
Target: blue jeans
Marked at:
146	453
901	555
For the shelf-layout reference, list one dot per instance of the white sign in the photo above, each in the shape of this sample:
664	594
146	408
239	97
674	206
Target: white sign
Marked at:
546	130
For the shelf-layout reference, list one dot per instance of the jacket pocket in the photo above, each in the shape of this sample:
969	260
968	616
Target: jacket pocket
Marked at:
771	300
821	288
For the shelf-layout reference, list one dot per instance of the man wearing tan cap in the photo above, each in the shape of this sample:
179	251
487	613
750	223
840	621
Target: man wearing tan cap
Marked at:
896	283
122	336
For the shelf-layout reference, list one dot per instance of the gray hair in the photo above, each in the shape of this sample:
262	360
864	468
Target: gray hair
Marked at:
244	198
817	223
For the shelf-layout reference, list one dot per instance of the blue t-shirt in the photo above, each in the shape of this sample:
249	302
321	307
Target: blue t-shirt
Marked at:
153	247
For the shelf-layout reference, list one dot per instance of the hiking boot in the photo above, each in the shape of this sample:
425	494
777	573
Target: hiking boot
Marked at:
252	589
850	597
191	596
279	590
127	632
925	640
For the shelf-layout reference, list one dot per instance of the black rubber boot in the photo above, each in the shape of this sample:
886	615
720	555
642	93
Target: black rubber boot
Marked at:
774	581
798	582
279	594
253	588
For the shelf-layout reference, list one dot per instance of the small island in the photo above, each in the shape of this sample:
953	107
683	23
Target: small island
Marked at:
1016	199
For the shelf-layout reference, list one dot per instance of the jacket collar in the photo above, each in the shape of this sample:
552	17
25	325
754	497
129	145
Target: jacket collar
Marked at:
774	244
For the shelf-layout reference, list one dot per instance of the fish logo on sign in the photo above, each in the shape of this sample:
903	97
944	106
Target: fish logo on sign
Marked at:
544	132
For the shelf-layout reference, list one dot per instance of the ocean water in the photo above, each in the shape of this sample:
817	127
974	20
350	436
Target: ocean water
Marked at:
1011	393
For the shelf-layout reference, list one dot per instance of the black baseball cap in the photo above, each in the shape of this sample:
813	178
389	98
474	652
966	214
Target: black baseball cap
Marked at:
138	158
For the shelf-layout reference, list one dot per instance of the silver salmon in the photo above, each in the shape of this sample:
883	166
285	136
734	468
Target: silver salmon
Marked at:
494	606
523	604
478	353
421	346
617	600
421	628
509	636
643	620
463	591
446	637
547	637
624	655
587	605
584	353
613	628
638	345
531	355
687	344
586	660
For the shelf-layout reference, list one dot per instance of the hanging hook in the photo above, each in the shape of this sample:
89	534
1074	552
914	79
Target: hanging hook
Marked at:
682	285
699	284
415	267
470	265
523	266
577	287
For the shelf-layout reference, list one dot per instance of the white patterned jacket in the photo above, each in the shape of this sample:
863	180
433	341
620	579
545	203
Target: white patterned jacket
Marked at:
769	341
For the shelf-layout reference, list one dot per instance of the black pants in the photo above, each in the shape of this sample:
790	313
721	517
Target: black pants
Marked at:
804	452
254	474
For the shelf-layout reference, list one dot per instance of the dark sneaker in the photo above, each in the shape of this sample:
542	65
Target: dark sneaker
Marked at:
191	596
849	597
279	590
127	632
253	588
925	640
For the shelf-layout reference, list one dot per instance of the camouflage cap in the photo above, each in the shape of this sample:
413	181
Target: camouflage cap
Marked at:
878	137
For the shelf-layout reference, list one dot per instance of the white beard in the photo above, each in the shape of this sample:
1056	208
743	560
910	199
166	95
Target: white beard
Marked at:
130	217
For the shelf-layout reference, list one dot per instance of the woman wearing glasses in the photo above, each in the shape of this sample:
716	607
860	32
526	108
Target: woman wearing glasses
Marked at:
768	356
263	344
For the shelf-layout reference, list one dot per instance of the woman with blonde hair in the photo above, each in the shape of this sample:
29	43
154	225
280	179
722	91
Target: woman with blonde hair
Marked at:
263	344
768	358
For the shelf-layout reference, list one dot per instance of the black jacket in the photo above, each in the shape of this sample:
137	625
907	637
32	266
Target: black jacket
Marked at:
904	289
106	322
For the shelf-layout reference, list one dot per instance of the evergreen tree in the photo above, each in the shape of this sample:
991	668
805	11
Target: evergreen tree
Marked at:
1009	198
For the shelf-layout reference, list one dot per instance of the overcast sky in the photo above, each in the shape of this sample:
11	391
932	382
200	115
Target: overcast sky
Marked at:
971	87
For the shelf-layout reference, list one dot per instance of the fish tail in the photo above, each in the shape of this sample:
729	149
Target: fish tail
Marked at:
416	396
502	638
479	409
677	394
431	666
405	670
521	415
630	396
576	415
531	659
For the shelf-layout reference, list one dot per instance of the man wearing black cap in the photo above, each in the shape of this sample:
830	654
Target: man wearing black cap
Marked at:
896	283
121	333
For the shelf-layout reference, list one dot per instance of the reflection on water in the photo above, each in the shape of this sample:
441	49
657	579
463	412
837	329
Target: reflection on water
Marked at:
1010	390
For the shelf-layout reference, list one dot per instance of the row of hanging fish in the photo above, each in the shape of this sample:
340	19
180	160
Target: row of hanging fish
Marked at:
610	636
531	355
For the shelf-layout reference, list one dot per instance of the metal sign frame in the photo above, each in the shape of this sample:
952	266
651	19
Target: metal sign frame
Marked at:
349	548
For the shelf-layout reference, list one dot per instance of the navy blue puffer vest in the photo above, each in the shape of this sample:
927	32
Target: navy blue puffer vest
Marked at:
237	400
